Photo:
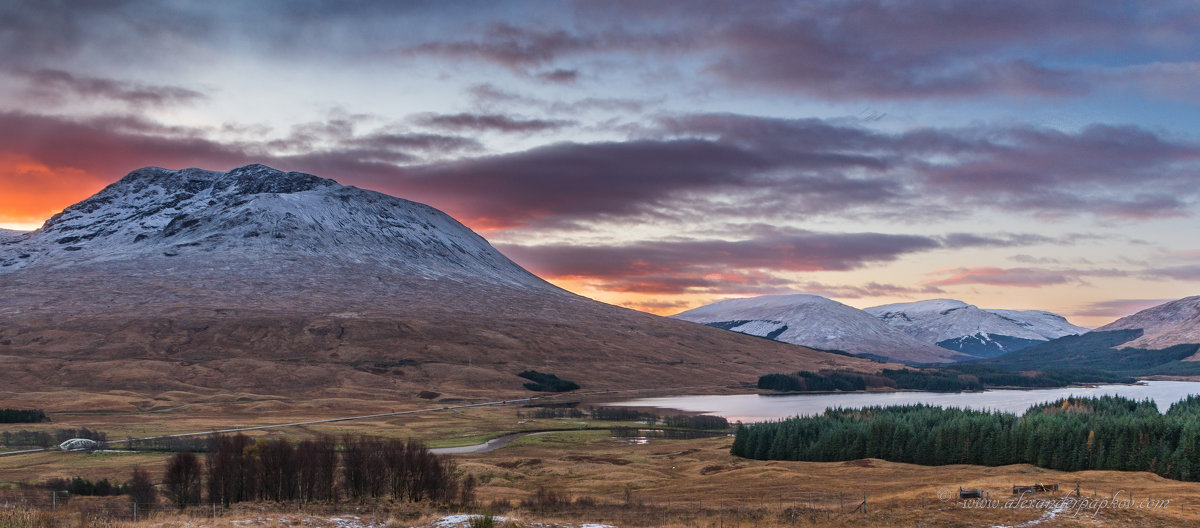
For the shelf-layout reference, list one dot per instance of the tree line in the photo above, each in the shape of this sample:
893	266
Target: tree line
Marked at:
1072	434
628	414
957	378
47	439
23	416
82	486
238	468
545	382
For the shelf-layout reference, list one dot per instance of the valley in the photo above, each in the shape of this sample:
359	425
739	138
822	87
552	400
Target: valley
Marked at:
599	478
192	301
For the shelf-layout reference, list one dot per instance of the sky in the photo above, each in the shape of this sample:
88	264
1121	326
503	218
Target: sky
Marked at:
1029	154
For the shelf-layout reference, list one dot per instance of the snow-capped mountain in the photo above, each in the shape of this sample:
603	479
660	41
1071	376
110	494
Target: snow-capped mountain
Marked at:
959	326
1165	325
154	215
260	281
817	322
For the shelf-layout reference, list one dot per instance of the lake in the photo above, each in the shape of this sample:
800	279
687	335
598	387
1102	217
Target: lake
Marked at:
757	407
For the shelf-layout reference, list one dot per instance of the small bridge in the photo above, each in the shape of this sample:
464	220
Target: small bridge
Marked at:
79	444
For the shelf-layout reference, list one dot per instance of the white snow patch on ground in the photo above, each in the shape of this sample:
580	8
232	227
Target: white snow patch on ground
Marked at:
758	328
332	522
458	521
1048	516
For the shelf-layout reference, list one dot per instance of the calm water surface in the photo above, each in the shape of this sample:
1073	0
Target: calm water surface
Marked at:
757	408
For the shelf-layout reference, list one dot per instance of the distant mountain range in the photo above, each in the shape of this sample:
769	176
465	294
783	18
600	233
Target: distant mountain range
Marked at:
1169	324
977	332
933	331
814	321
263	282
1162	340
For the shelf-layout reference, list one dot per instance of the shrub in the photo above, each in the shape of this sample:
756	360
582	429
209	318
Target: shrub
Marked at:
543	382
182	479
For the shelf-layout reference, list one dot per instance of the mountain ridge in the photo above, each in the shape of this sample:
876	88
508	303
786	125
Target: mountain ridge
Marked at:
263	282
815	321
1173	323
956	325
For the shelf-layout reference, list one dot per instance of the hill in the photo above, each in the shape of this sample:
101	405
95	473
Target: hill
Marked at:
959	326
814	321
261	282
1165	325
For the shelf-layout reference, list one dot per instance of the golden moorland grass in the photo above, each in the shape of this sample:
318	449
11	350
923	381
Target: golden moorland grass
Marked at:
594	477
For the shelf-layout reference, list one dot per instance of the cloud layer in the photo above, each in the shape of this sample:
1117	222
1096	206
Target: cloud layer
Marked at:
667	153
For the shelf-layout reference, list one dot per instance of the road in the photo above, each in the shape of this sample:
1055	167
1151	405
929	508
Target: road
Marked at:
294	424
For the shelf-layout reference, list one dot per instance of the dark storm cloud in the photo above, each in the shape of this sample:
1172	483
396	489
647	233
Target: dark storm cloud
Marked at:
490	122
834	50
522	48
1119	307
338	135
1073	171
888	51
1018	277
809	166
572	180
57	86
868	290
742	267
105	145
559	76
858	49
698	166
1183	273
489	96
966	240
786	250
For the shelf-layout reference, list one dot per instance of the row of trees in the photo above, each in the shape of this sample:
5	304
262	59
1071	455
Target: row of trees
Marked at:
47	439
956	378
545	382
1074	434
238	468
82	486
629	414
23	416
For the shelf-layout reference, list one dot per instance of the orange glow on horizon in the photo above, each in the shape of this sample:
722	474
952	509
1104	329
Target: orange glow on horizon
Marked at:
31	192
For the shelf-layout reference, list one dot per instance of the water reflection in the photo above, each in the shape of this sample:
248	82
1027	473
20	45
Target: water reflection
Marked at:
757	408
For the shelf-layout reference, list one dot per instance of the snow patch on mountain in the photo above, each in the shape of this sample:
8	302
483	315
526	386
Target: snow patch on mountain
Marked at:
939	320
1165	325
1049	325
259	214
814	321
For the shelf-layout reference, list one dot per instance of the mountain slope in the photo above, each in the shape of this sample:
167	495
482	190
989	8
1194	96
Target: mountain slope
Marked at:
982	333
1162	326
815	321
1164	339
190	283
1107	351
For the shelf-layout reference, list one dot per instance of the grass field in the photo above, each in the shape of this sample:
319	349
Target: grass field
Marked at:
594	477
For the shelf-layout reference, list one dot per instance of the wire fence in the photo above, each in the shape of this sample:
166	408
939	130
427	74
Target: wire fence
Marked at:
626	510
619	511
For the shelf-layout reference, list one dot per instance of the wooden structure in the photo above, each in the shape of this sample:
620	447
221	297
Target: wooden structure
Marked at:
970	494
1036	488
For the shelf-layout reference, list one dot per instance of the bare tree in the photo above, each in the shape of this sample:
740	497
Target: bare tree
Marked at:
141	490
466	490
277	462
182	479
232	469
316	469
